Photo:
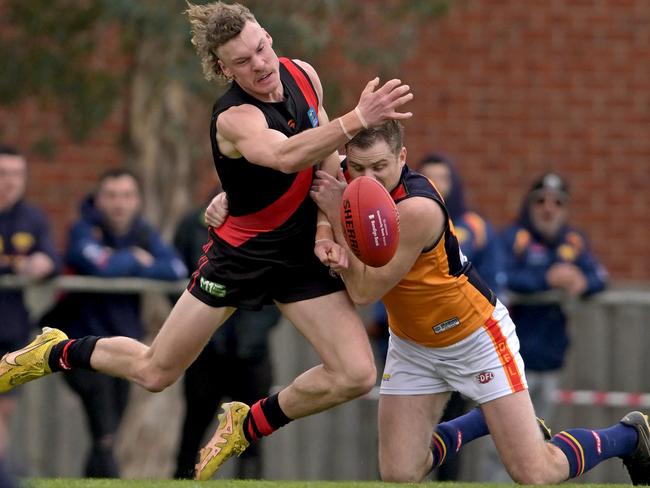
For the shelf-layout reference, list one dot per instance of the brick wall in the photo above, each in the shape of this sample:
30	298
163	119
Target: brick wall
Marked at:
58	183
508	88
511	89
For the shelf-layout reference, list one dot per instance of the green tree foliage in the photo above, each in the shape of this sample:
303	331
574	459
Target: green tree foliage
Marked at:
64	53
48	46
44	52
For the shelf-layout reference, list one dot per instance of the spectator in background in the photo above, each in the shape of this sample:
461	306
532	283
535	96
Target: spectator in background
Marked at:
476	236
543	252
6	479
26	249
240	346
111	239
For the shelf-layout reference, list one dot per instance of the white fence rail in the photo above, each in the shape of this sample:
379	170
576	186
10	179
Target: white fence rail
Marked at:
607	374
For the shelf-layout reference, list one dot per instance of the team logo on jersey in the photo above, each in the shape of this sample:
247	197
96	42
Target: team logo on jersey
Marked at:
292	123
485	377
22	241
313	117
386	377
567	252
446	325
215	289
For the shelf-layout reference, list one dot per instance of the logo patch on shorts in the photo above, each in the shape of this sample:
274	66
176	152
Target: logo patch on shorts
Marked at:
446	325
485	377
385	377
215	289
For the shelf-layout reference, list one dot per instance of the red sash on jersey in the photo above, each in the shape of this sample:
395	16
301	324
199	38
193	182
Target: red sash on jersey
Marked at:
237	230
303	83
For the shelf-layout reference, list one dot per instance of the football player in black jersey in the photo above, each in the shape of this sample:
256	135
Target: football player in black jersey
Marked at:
269	132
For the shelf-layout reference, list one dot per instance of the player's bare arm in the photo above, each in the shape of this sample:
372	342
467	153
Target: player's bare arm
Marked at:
242	130
324	240
422	222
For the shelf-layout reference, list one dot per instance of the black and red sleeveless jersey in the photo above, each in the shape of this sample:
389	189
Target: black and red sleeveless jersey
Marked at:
264	203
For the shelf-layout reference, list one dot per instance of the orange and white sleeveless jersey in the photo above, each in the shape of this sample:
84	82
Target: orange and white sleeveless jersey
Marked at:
442	299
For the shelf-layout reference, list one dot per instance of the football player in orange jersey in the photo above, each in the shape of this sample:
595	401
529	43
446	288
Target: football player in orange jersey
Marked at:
449	332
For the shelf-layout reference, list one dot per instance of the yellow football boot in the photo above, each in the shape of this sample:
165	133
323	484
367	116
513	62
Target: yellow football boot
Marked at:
544	429
229	439
30	362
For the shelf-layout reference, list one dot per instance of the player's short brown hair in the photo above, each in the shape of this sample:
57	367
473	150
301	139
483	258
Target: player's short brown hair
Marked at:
391	132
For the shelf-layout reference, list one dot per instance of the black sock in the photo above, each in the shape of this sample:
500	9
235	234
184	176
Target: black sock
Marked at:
72	353
264	418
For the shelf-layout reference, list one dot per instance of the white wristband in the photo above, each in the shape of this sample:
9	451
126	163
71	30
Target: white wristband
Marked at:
361	119
347	134
324	223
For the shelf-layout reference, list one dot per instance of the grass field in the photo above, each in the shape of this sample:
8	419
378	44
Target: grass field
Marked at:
86	483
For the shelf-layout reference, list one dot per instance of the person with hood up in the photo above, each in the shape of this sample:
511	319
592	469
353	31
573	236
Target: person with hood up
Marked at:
543	252
111	239
477	237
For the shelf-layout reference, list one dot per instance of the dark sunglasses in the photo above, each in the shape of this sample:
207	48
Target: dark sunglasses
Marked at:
558	202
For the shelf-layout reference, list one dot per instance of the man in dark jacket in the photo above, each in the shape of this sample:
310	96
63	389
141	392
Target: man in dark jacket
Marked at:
26	249
241	346
111	239
543	252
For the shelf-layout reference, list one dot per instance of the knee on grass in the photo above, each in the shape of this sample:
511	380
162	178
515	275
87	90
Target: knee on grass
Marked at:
401	474
527	475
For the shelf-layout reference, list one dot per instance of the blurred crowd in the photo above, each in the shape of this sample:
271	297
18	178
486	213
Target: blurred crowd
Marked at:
540	251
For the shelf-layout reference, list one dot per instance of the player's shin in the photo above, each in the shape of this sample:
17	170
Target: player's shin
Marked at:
72	354
450	436
586	448
264	418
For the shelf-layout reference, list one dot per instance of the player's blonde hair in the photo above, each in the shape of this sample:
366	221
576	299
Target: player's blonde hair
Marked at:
212	25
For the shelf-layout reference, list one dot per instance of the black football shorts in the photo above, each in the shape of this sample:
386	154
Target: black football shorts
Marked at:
259	273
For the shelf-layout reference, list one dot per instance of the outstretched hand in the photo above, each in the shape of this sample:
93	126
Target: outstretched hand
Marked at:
377	105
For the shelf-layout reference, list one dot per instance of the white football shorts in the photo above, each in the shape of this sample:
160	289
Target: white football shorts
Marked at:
484	366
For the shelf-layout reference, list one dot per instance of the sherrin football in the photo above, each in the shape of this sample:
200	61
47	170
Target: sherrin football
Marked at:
370	221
